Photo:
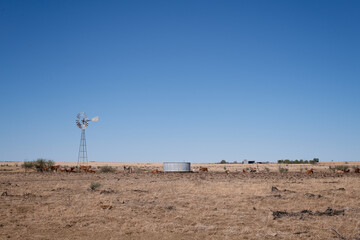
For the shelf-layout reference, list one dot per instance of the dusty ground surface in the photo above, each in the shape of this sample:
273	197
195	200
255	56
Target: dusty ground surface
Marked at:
209	205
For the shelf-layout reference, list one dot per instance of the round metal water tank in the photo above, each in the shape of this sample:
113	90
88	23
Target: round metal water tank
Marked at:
176	166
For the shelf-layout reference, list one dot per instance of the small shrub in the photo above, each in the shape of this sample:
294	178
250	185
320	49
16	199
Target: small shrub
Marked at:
107	169
341	167
267	169
27	165
94	186
282	170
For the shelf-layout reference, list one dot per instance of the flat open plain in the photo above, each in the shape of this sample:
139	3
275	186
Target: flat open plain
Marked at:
207	205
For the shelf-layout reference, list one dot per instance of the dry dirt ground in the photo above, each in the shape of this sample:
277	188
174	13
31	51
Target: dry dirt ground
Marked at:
210	205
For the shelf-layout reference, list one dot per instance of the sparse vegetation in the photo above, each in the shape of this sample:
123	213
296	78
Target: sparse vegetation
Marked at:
40	164
139	169
94	186
6	170
283	170
27	165
225	162
107	169
301	161
338	167
267	169
185	199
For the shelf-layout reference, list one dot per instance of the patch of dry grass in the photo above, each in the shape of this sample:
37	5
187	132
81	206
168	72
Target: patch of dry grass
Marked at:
212	205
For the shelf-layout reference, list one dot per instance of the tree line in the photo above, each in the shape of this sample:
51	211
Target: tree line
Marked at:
301	161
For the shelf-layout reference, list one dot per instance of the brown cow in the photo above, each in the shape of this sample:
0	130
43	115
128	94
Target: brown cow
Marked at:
62	170
252	169
346	170
70	169
227	171
245	171
55	168
310	171
357	170
85	168
156	171
91	171
203	169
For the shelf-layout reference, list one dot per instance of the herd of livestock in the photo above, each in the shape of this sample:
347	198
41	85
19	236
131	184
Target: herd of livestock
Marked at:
128	169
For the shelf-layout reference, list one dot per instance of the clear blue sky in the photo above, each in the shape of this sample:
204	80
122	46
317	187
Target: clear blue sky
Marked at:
197	81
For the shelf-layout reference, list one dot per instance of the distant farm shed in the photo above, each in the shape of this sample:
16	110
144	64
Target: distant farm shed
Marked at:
176	166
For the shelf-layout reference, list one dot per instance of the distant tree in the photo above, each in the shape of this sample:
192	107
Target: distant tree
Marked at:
223	162
42	164
27	165
314	161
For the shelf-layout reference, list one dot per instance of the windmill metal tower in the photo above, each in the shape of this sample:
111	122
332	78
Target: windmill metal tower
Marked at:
82	122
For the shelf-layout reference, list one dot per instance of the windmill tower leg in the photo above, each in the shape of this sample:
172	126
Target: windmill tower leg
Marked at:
82	157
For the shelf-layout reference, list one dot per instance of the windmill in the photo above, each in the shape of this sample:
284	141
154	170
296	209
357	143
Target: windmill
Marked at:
82	122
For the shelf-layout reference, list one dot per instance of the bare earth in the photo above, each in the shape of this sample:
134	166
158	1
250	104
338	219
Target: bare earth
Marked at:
208	205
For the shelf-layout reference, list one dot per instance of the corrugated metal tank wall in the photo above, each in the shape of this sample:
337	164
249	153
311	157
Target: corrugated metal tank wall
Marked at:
176	166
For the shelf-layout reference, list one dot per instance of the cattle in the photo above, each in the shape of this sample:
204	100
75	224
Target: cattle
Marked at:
346	170
310	171
85	168
245	171
55	168
70	169
156	171
253	169
91	171
62	170
203	169
227	171
357	170
44	169
340	171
